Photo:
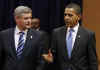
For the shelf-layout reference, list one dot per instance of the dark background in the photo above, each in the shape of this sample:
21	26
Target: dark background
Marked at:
50	12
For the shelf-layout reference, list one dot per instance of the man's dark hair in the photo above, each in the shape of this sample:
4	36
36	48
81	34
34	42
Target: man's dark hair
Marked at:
75	6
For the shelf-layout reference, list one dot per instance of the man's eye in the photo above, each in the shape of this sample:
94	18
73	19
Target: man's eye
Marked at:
26	18
70	15
65	14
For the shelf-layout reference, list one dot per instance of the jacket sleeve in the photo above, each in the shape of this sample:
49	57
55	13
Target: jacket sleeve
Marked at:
92	55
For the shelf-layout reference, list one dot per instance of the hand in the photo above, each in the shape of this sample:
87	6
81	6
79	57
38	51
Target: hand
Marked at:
48	57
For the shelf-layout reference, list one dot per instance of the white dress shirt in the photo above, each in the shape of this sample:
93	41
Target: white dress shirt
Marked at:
74	33
17	35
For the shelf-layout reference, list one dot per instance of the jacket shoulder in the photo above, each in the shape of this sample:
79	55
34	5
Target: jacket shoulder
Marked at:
87	30
6	31
59	29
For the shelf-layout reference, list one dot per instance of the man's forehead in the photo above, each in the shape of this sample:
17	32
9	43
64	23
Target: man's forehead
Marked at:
69	10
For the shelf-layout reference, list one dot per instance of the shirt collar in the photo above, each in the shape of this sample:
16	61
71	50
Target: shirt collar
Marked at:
17	30
75	28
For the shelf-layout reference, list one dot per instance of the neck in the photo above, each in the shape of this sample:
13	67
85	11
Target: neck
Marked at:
21	29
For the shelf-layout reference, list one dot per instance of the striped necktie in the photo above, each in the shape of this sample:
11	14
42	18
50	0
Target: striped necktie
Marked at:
20	45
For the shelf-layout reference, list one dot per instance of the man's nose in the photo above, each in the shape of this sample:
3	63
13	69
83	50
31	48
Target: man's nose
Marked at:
29	21
67	17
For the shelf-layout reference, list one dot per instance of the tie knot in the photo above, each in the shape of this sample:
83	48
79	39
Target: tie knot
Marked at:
21	33
71	30
70	33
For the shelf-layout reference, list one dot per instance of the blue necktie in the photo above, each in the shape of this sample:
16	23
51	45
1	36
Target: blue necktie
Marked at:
20	45
69	43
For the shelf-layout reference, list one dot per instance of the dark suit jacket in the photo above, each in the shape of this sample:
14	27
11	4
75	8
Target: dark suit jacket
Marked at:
83	55
31	54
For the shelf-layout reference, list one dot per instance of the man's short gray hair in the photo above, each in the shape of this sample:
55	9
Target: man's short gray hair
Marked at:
22	9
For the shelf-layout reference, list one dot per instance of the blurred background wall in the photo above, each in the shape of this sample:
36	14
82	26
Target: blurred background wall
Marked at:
91	20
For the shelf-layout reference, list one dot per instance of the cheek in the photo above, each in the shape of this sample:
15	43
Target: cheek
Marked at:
24	21
21	21
64	18
74	19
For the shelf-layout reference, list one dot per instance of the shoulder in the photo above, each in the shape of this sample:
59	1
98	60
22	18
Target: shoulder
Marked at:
7	31
42	32
34	32
85	30
39	33
59	29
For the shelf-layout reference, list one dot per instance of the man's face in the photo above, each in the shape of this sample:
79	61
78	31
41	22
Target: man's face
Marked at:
24	22
35	23
70	17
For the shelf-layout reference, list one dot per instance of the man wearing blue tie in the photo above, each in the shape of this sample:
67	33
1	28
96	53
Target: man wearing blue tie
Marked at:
74	46
20	47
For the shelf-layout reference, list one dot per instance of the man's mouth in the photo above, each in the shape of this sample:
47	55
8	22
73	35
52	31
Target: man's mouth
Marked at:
27	23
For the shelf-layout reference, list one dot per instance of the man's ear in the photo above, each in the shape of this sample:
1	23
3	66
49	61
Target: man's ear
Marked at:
79	17
16	17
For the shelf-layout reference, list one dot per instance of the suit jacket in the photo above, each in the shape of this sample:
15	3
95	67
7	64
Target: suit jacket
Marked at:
83	56
30	59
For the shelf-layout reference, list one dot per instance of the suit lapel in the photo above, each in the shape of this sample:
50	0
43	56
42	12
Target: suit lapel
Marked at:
63	40
77	41
12	43
27	43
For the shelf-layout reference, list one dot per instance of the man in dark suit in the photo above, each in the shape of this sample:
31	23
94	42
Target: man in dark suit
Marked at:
20	47
74	47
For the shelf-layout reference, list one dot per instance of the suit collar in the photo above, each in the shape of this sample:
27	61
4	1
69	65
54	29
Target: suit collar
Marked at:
12	42
76	44
27	43
63	42
77	41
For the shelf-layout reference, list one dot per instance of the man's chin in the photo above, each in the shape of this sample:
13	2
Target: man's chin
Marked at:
67	24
